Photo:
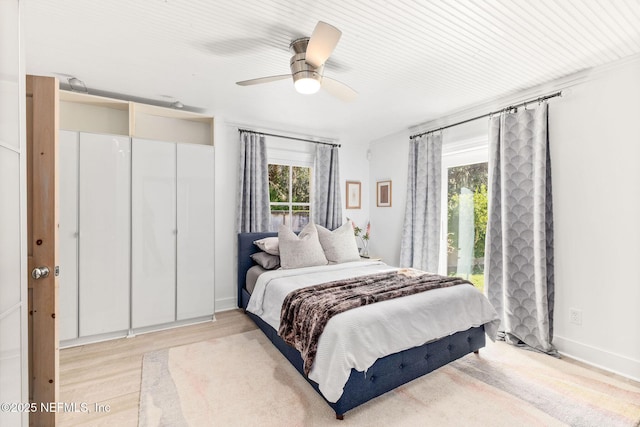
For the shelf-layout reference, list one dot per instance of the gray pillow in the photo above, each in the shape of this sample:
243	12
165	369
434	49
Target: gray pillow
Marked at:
340	244
266	261
303	250
269	245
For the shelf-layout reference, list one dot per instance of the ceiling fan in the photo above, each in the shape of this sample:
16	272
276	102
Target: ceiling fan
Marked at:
307	64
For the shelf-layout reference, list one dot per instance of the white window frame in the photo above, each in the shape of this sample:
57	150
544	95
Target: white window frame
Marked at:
461	153
290	203
280	151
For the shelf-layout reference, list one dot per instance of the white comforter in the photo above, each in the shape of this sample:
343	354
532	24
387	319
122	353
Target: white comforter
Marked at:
357	338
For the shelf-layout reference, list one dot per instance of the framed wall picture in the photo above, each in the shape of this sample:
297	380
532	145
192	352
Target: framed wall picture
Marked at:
354	196
383	198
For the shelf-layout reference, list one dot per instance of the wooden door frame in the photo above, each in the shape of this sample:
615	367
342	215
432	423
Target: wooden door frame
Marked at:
42	243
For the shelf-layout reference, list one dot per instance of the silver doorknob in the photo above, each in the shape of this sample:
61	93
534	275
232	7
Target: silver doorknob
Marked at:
40	272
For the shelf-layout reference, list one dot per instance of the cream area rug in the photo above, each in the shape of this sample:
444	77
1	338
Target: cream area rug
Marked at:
242	380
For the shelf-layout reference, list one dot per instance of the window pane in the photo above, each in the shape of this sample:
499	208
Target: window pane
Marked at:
300	217
300	184
467	222
278	183
279	215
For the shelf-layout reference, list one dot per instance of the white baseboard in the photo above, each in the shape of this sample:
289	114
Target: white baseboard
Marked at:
131	333
599	358
226	304
94	339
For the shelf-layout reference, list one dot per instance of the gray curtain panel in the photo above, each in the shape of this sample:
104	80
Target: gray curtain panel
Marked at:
327	198
420	245
519	242
253	203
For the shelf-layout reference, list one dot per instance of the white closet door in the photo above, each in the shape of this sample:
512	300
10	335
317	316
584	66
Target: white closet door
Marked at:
195	198
68	234
153	232
105	245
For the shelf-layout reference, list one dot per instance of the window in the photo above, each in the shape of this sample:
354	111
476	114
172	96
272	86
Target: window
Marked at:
465	183
289	196
289	182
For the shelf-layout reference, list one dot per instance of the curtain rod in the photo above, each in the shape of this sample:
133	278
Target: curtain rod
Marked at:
290	137
511	107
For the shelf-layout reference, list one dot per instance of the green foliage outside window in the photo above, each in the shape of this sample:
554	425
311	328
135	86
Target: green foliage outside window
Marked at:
300	184
278	183
475	178
289	195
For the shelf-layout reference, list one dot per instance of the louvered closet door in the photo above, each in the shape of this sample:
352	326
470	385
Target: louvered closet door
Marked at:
153	232
68	234
105	221
195	199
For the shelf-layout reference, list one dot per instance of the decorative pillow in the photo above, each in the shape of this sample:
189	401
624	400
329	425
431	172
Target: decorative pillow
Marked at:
340	244
303	250
266	261
268	245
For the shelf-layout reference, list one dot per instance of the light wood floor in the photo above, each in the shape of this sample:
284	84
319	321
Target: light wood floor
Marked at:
109	373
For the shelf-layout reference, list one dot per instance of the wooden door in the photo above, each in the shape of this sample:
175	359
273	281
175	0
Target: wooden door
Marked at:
42	246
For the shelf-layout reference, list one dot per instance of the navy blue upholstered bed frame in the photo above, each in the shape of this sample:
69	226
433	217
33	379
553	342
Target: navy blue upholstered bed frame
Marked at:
386	373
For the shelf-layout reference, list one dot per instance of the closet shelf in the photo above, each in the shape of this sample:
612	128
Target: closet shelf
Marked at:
98	114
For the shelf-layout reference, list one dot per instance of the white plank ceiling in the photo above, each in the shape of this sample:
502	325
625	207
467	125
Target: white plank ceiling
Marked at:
410	61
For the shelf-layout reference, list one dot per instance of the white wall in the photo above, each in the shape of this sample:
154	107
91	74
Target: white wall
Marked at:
353	166
389	160
13	284
595	149
227	152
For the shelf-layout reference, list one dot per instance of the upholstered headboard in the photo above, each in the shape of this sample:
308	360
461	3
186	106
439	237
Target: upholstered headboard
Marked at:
245	249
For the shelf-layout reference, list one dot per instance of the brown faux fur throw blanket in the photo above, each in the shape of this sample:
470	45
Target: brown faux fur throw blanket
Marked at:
306	311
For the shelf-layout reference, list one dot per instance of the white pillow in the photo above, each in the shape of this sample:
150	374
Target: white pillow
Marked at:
266	261
303	250
268	244
340	244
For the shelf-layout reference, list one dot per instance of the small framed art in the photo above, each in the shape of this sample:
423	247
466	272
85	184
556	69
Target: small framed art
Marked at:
353	194
383	198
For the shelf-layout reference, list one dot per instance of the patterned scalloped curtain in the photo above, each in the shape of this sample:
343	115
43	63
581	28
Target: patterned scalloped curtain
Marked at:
253	203
327	198
519	242
420	245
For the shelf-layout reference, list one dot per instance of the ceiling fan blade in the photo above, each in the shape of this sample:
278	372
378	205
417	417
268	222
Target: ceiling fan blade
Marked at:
339	89
322	42
263	80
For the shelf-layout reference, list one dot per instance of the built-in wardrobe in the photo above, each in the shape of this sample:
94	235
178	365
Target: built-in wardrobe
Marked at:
136	218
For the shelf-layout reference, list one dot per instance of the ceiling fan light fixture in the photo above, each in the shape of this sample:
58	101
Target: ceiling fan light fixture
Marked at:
307	64
306	79
307	85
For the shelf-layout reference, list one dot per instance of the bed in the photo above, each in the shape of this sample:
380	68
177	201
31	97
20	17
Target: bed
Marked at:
388	371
